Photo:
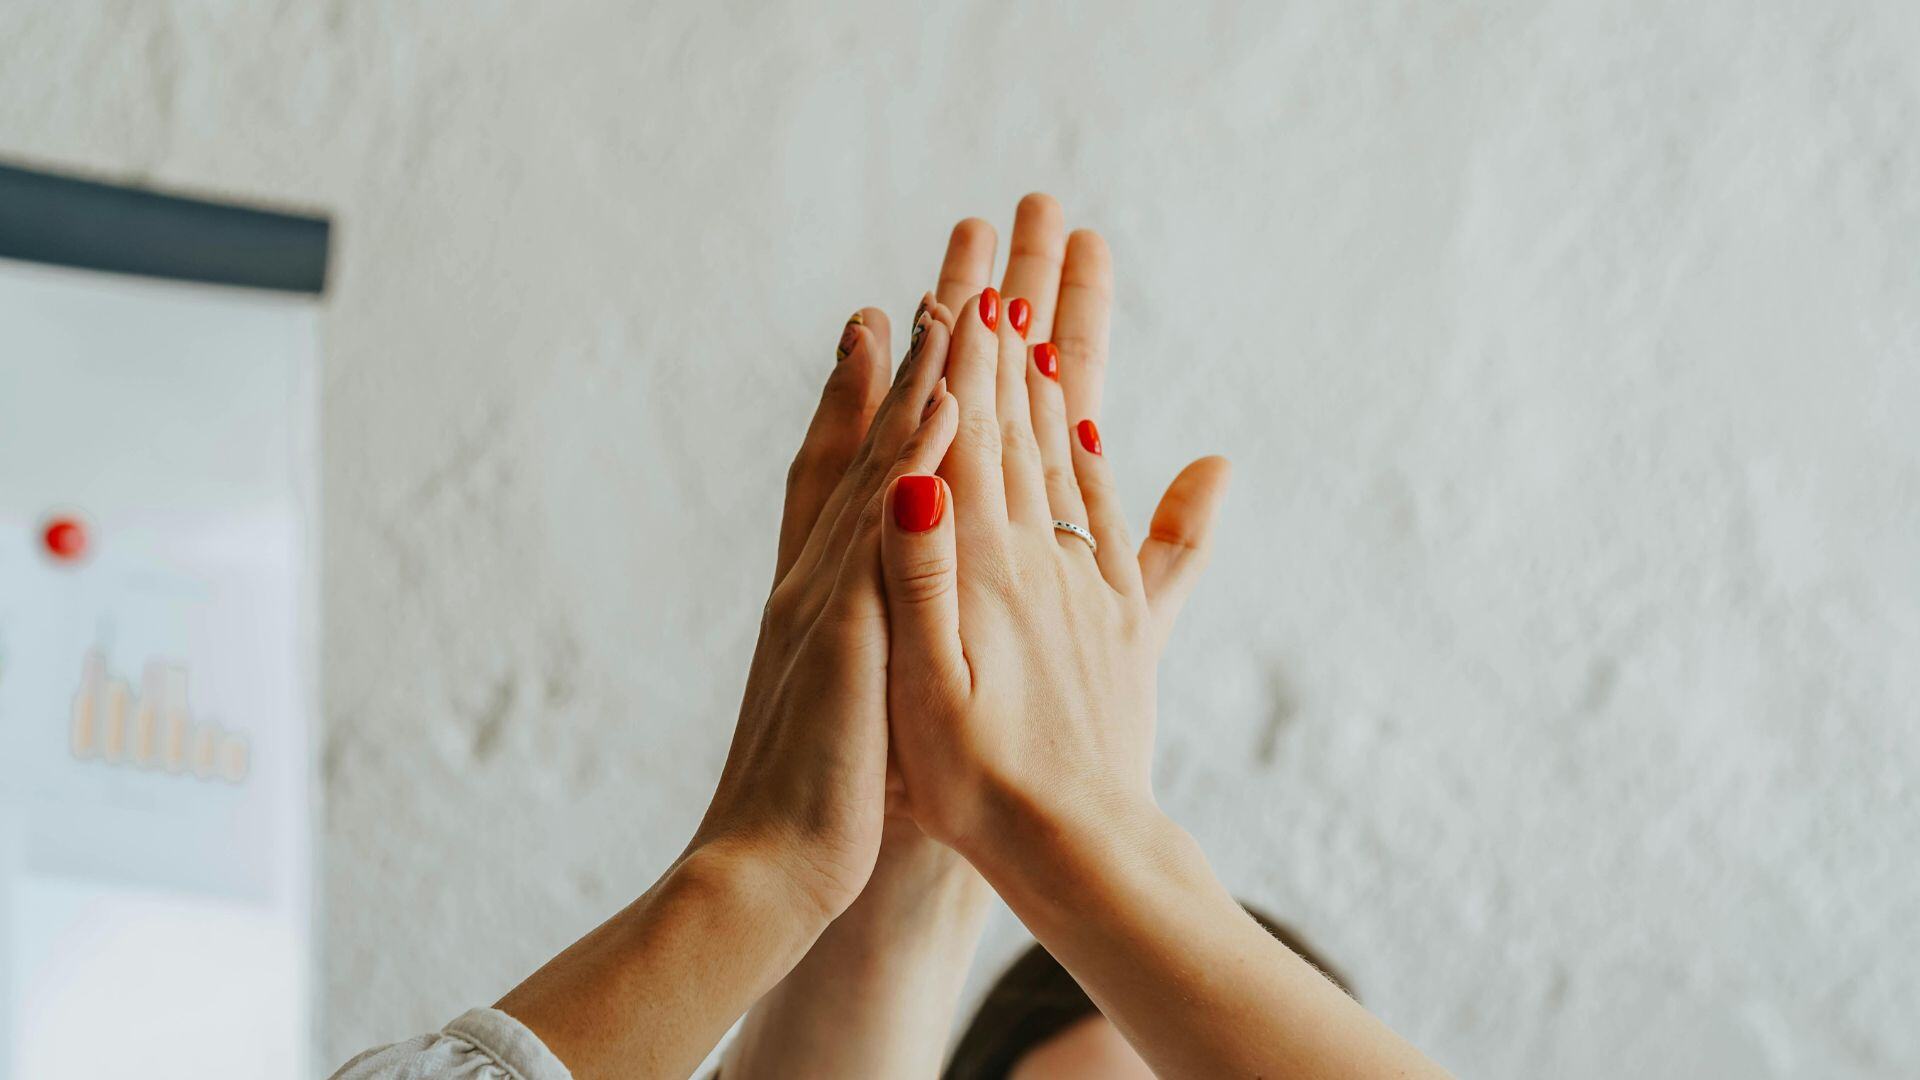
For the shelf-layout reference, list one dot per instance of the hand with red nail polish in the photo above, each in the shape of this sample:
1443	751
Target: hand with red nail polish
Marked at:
815	694
1024	632
792	835
953	686
921	901
1064	633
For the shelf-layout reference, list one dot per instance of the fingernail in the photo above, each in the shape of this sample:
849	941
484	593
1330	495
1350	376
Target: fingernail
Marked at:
1089	436
918	502
922	319
990	309
1047	359
849	337
1019	313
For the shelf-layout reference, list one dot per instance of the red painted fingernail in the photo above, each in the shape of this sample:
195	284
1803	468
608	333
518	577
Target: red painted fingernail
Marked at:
990	309
1089	436
918	502
1019	314
849	337
1047	359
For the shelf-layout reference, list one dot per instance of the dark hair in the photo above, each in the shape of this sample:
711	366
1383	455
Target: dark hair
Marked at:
1035	999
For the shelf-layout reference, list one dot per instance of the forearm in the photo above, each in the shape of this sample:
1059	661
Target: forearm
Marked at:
653	989
875	996
1134	912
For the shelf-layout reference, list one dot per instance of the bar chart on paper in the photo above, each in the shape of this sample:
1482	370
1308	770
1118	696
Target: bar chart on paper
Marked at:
155	658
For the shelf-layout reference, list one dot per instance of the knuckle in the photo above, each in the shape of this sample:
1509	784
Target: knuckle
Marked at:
871	513
1016	436
911	448
783	607
979	428
1184	541
1079	346
843	391
869	474
1060	477
1093	481
805	463
891	403
921	578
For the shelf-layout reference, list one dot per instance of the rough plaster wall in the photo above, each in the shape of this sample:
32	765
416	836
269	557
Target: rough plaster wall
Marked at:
1557	670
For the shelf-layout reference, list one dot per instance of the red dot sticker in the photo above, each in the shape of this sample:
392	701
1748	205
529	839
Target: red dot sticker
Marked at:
65	539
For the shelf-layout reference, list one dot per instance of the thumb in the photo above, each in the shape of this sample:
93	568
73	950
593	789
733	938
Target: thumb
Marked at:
920	571
1180	539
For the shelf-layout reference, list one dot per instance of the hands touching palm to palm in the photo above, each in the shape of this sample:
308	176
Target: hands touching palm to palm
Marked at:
951	474
953	696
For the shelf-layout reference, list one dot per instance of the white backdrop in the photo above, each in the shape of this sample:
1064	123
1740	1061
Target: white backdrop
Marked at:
1556	672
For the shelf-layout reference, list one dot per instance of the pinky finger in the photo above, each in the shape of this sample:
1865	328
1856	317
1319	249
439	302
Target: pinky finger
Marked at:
1104	516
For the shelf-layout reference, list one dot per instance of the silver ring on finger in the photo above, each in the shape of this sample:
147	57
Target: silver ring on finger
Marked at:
1079	531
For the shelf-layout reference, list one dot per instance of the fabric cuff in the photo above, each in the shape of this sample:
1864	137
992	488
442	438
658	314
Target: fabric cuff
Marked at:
511	1044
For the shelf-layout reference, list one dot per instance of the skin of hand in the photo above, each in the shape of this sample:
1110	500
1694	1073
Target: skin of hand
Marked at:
1021	705
875	996
794	827
1023	685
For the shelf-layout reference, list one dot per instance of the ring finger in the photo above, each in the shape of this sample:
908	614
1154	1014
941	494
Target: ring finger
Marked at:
1048	406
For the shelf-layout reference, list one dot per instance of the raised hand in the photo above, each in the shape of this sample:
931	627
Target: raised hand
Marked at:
791	835
1021	707
875	995
1022	686
805	775
1064	281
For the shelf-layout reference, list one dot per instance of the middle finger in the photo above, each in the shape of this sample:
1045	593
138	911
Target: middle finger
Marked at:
1034	258
1082	326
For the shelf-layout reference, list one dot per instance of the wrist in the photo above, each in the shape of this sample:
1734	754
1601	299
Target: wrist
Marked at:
653	988
757	881
1055	861
875	994
922	900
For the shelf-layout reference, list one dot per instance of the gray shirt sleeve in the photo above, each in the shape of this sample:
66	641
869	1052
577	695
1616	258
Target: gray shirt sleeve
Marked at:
483	1044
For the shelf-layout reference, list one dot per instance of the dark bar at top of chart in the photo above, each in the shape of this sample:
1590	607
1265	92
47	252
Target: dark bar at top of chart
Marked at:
67	221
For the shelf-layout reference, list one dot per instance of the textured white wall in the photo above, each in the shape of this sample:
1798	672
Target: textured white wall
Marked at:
1557	672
